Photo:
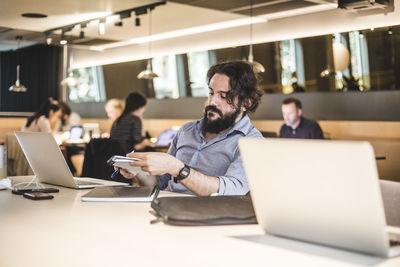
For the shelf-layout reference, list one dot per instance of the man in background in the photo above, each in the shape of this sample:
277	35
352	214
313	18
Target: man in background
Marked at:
297	126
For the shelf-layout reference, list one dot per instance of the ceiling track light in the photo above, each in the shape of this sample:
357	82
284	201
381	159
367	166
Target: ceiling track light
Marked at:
102	20
125	14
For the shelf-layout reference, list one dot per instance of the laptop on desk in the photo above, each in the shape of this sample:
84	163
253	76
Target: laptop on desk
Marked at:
48	163
319	191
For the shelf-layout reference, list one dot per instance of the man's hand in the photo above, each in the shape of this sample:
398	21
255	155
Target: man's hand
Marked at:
141	178
127	174
157	163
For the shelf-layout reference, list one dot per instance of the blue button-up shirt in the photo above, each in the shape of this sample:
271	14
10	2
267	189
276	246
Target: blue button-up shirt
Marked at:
219	157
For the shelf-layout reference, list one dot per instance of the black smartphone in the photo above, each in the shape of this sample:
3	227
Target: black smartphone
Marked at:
38	195
27	190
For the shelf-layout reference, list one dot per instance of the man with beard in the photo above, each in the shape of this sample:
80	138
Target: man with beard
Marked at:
204	158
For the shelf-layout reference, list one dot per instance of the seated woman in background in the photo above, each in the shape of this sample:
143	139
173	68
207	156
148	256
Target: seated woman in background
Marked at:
128	128
42	120
113	108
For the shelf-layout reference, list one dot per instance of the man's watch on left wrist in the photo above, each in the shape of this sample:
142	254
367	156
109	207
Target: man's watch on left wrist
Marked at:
183	173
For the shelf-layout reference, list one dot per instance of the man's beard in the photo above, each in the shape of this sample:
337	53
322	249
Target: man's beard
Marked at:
222	123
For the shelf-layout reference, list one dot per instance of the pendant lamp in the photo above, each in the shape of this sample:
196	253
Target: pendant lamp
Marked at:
70	80
257	67
148	74
18	87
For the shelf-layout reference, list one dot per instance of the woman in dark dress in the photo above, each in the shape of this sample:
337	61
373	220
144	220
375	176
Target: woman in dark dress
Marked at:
128	128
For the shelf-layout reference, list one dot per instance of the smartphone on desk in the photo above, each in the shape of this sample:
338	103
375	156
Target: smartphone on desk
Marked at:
38	195
29	190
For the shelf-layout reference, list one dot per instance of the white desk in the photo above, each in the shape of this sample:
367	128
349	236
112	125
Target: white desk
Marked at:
67	232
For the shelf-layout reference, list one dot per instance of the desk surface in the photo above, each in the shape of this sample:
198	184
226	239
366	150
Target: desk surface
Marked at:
67	232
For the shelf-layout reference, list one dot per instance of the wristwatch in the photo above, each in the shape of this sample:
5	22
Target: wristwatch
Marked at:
183	173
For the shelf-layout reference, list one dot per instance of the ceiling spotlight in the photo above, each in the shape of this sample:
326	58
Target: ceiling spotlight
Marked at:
390	31
63	40
372	29
48	40
137	21
102	27
327	72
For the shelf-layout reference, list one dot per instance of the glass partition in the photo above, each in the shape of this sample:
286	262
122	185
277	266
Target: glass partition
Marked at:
352	61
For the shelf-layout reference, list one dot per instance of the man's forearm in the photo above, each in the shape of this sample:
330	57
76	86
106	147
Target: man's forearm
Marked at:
201	184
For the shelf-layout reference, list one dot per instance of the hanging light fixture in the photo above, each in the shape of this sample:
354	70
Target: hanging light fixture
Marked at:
148	74
70	80
257	66
18	87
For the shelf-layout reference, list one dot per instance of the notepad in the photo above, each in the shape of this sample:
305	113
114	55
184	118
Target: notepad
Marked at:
121	194
124	163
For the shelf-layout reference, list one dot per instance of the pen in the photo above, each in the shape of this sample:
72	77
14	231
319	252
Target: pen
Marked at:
114	174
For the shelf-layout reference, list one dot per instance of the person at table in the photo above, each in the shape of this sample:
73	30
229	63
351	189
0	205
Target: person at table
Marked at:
68	118
114	108
204	157
128	127
296	125
42	120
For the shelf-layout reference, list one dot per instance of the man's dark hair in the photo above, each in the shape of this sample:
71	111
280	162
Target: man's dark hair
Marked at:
242	81
291	100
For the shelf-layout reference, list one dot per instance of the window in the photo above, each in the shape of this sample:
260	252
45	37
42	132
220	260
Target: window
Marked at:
87	86
166	85
293	73
359	59
199	63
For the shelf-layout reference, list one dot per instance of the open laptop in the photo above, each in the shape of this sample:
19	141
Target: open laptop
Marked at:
166	137
319	191
48	163
76	133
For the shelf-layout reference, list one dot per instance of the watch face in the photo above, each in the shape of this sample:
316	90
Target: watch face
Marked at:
185	171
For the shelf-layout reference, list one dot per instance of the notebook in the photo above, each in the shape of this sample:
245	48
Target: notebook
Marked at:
48	163
319	191
122	194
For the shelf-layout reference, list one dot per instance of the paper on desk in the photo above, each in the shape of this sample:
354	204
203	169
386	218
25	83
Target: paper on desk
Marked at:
5	184
133	169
